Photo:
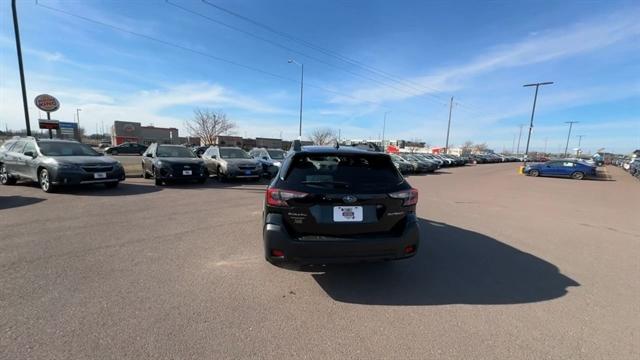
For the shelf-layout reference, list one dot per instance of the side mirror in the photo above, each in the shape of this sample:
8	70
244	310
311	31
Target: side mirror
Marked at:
30	154
149	155
265	158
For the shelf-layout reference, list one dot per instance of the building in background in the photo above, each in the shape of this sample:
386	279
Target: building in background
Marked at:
129	131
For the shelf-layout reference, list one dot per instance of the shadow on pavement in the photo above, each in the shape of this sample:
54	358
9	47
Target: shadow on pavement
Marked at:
124	189
453	266
9	202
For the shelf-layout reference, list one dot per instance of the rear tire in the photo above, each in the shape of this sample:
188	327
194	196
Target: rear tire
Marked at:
534	173
5	178
145	174
114	152
578	175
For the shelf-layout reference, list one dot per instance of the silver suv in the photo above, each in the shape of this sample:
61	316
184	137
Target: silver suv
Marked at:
231	162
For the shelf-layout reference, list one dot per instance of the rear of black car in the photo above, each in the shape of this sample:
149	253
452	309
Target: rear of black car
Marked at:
334	205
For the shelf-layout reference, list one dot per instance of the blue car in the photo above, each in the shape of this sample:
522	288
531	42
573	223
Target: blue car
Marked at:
574	169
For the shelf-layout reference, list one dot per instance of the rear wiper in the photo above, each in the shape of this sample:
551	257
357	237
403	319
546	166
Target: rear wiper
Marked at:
325	182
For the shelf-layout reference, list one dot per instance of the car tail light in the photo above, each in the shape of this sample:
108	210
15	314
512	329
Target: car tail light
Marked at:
277	253
409	249
277	197
410	196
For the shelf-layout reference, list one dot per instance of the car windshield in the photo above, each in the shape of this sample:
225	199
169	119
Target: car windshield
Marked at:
357	172
276	154
174	151
66	149
233	154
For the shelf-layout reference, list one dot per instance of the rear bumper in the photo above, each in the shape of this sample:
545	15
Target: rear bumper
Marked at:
336	250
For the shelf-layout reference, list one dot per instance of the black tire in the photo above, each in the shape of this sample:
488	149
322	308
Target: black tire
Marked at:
112	185
220	176
113	152
145	174
578	175
157	180
5	178
44	180
534	173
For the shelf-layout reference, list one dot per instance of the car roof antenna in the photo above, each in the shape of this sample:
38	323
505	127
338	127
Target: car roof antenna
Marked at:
297	146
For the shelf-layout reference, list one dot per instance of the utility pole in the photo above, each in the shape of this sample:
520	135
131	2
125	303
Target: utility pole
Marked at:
569	135
301	94
78	116
384	125
533	111
579	143
21	67
446	146
519	137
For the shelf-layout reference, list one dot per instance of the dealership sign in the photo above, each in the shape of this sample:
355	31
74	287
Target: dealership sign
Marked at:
47	103
49	124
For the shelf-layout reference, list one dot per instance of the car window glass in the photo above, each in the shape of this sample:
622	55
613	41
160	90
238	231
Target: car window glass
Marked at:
353	171
233	154
18	147
568	164
30	147
174	151
7	146
66	149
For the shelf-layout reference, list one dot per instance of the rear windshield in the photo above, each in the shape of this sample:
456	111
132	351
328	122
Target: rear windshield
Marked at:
66	149
359	172
174	151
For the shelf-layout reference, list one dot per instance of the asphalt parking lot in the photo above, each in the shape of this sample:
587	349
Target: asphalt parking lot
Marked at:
510	267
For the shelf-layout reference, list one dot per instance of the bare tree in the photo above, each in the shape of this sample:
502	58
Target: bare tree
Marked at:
207	124
323	136
480	148
467	147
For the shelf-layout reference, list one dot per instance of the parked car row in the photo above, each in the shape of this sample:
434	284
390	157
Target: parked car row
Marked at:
630	164
424	163
495	158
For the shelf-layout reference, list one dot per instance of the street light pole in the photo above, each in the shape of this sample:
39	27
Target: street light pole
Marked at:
566	148
291	61
384	125
21	67
533	111
519	138
446	146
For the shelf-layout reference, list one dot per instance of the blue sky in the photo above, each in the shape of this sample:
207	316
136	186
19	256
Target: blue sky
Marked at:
480	52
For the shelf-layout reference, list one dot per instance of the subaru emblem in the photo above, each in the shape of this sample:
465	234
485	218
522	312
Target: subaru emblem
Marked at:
349	199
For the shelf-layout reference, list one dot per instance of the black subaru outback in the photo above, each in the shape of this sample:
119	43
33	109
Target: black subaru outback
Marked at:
329	205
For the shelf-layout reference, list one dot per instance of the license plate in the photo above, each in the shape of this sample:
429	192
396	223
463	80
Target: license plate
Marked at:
247	172
347	213
100	175
186	172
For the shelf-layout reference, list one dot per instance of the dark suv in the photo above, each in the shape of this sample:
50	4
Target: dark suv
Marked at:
169	163
56	162
330	205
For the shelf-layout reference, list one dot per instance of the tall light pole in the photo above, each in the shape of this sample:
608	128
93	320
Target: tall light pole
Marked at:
446	146
384	125
533	111
519	137
16	31
291	61
579	143
78	116
569	135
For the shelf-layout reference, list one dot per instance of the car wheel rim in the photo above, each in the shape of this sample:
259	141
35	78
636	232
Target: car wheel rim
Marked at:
44	180
3	175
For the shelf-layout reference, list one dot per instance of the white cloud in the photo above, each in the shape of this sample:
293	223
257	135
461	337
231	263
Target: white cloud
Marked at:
548	45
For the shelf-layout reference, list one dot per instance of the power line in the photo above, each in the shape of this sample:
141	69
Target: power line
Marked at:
405	82
279	45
